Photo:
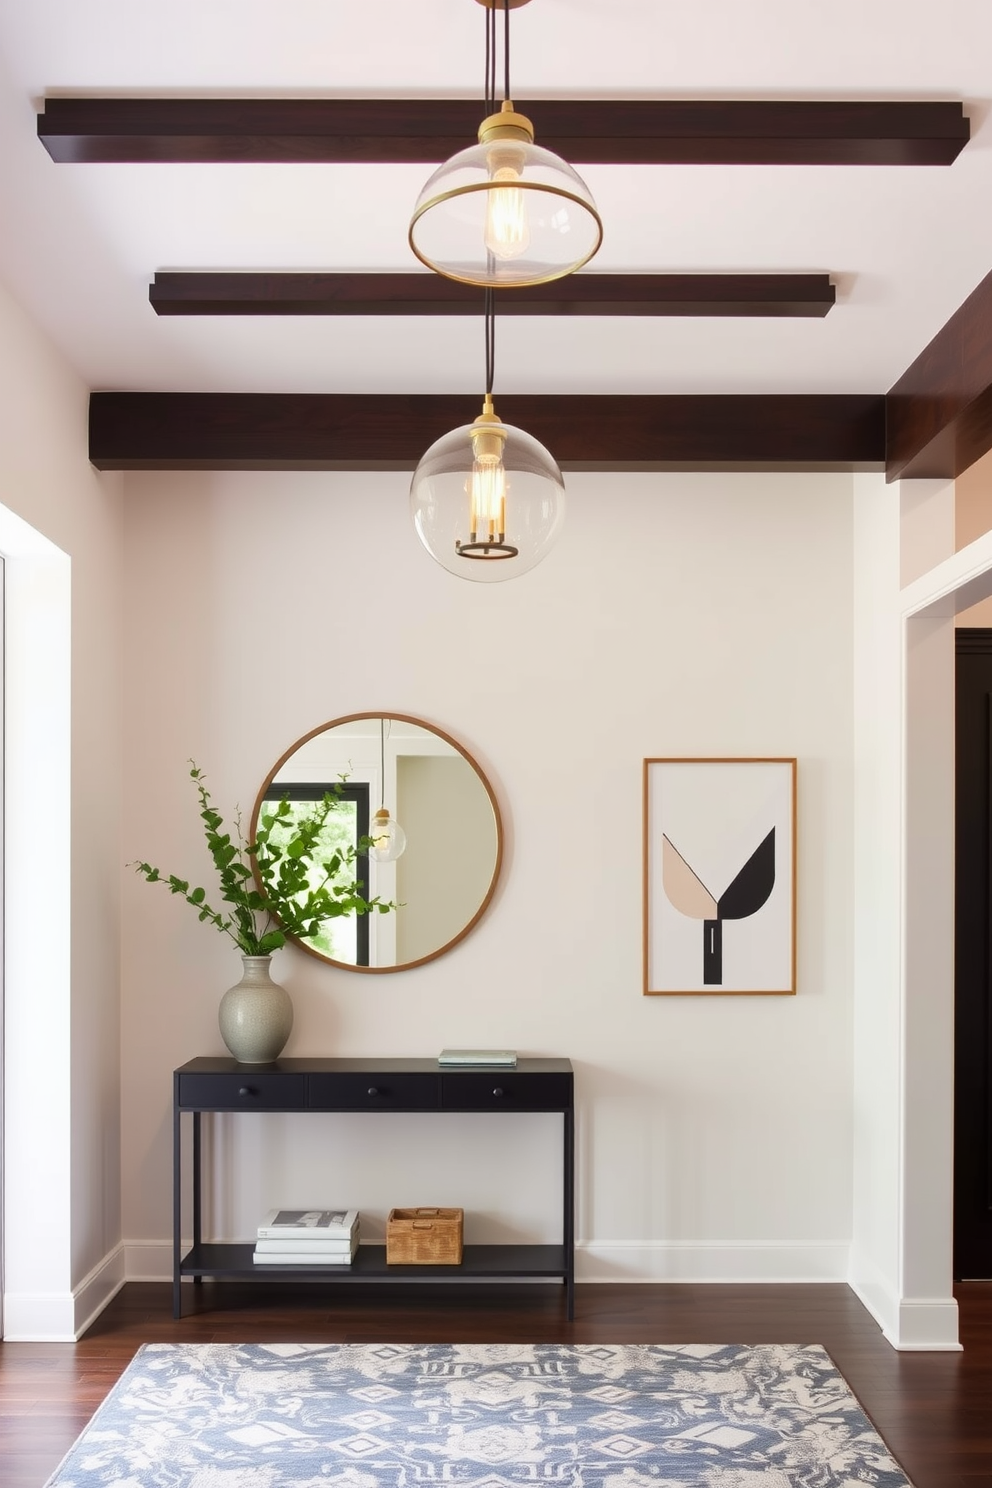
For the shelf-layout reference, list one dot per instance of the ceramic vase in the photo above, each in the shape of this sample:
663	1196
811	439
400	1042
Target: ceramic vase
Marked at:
256	1014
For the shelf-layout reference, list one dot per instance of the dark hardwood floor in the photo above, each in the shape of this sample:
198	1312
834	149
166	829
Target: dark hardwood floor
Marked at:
933	1409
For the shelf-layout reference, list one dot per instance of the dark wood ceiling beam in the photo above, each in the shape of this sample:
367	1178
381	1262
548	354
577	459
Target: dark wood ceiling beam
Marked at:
311	431
430	294
591	132
939	413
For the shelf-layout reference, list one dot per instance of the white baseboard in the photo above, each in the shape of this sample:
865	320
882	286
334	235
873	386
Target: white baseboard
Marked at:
927	1324
62	1317
874	1294
920	1325
39	1317
619	1260
636	1261
93	1293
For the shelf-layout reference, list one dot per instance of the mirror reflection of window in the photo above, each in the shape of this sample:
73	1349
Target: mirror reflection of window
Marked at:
347	938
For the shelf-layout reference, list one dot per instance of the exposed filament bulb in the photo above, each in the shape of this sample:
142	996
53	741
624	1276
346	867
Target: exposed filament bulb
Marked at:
488	500
507	231
486	490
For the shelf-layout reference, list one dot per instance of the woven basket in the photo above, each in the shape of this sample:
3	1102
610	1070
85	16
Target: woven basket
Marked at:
424	1237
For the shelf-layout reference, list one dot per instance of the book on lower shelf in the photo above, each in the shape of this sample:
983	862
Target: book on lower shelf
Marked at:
306	1255
343	1247
310	1224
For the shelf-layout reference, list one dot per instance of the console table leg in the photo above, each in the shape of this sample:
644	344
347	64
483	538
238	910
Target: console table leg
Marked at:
197	1189
568	1217
177	1296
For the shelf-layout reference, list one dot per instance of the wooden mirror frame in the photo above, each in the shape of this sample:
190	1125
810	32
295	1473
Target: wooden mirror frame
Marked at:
497	819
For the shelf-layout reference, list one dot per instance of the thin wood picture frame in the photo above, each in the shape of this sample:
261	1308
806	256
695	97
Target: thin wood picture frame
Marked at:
719	876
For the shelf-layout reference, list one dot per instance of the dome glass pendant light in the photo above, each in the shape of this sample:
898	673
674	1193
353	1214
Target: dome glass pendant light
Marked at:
487	499
505	212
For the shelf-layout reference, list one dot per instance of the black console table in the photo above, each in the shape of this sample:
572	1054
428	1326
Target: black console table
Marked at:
206	1085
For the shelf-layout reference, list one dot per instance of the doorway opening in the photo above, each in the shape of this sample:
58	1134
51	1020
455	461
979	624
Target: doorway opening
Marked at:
973	958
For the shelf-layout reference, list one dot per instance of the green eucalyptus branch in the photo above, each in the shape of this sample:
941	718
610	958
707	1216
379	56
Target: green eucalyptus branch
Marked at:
265	882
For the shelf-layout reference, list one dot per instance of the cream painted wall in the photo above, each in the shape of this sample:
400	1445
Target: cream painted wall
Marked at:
60	528
714	1134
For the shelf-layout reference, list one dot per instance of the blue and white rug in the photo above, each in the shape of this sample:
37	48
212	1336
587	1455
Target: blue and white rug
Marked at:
479	1416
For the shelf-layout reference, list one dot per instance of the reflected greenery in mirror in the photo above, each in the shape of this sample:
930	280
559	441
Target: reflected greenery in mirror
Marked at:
445	877
341	938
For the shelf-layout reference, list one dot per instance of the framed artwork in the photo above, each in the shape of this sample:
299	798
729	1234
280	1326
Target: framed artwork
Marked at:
719	876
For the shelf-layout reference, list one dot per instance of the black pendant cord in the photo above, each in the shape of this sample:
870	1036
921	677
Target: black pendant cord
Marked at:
487	87
491	60
382	763
490	317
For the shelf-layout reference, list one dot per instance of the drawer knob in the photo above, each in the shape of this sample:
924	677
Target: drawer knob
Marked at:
246	1090
373	1090
498	1092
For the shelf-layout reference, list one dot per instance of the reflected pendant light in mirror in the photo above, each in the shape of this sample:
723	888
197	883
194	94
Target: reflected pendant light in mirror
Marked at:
487	500
386	836
505	212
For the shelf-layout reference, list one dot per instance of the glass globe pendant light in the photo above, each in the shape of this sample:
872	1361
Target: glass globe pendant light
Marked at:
387	838
505	212
487	499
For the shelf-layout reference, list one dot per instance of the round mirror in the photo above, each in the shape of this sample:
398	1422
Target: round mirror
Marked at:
444	874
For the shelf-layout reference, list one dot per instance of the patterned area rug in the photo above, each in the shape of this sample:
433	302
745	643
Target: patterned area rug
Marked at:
478	1416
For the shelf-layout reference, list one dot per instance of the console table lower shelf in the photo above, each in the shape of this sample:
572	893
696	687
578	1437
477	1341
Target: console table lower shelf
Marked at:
479	1263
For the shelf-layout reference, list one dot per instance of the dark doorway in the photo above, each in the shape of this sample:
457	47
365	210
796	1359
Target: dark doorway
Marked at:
973	959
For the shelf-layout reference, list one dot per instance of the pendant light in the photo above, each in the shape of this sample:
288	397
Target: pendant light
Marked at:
387	837
504	213
487	499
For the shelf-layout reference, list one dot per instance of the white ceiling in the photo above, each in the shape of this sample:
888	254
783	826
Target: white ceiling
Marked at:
80	243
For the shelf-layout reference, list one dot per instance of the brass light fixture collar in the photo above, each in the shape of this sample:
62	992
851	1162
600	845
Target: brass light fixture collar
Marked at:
488	414
502	4
488	434
506	125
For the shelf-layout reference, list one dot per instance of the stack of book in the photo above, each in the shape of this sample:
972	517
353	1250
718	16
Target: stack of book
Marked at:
307	1237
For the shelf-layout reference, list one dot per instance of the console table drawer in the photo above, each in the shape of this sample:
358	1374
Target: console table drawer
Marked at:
243	1092
376	1092
505	1090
